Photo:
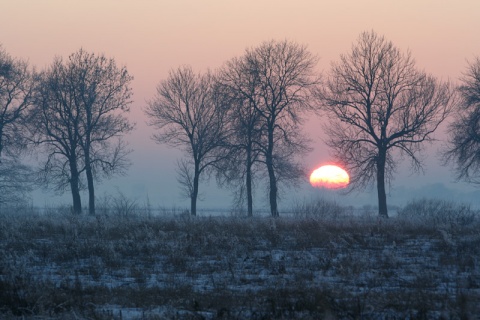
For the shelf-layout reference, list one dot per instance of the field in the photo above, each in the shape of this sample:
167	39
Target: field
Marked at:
306	266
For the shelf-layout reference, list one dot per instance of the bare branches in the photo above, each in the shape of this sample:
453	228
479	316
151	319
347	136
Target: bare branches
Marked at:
15	182
189	114
56	126
185	177
272	86
379	103
102	92
79	119
16	86
463	148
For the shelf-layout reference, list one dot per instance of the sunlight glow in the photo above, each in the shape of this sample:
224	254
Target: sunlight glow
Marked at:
330	177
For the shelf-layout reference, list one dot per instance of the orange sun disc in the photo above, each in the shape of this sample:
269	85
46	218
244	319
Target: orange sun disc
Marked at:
329	176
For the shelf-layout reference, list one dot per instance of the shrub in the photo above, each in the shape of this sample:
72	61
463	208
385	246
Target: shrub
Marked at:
439	212
319	208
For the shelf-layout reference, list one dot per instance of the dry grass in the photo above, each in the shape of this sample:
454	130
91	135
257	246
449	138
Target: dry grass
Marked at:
177	267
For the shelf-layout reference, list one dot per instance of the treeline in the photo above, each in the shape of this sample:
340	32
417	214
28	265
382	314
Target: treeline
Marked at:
241	123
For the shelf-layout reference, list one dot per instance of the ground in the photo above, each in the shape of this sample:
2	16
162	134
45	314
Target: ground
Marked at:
172	266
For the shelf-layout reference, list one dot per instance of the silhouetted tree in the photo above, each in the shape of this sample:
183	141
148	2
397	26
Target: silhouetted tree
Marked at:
16	87
464	132
189	114
377	102
102	92
244	127
276	80
15	182
79	118
56	126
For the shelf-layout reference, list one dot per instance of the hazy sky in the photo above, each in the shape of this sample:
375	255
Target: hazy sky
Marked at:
151	37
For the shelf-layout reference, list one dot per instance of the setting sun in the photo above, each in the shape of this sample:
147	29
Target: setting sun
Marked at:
329	176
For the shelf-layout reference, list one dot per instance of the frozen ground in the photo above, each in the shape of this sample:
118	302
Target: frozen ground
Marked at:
54	265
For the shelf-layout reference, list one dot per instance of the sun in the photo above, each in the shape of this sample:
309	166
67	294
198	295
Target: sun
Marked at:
330	177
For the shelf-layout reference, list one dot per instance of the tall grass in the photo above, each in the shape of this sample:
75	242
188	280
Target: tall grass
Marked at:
438	212
309	266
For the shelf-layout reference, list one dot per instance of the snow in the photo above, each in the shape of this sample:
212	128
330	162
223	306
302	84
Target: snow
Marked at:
176	267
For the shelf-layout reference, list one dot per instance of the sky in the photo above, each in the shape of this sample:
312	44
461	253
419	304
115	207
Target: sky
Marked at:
151	37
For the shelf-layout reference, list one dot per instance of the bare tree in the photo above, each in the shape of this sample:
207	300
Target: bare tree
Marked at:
190	115
245	132
464	143
16	87
55	125
276	79
101	91
15	182
80	119
378	102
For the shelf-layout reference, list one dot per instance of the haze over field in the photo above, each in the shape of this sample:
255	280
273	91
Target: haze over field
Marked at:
152	37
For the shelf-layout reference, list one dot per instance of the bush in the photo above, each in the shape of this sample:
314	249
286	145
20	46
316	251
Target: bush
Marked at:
319	208
439	212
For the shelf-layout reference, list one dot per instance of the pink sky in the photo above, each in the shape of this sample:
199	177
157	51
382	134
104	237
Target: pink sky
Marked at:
150	37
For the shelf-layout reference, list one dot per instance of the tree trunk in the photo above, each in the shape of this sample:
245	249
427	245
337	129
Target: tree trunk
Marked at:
194	195
88	163
89	173
273	191
74	181
382	196
91	190
1	142
249	185
249	191
271	175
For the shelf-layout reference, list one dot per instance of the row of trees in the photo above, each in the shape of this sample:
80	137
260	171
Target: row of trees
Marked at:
380	108
241	123
242	120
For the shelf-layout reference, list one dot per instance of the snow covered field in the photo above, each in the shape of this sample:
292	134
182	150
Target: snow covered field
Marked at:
54	265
